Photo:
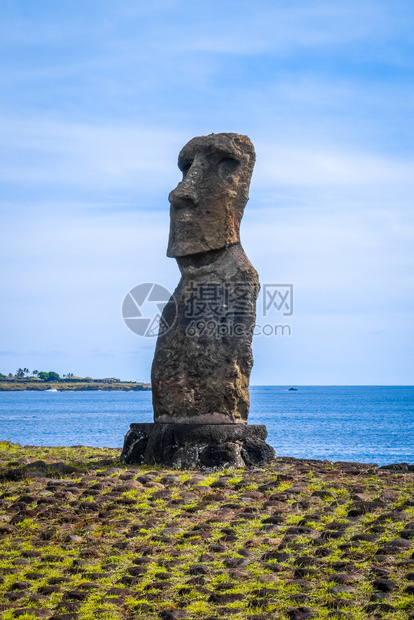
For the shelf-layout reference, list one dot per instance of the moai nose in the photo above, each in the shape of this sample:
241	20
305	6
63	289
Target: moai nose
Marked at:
184	195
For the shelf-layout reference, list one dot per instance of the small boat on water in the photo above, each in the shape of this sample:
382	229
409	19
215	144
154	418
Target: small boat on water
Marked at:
292	389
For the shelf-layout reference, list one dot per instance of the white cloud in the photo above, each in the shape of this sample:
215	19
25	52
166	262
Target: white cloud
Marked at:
293	27
314	164
124	157
39	151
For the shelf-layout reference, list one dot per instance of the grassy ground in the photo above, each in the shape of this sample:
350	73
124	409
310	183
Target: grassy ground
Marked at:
82	536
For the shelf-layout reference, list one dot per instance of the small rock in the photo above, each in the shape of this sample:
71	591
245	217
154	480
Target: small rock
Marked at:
323	494
85	585
280	556
252	495
222	599
136	571
128	485
342	589
189	497
361	496
20	585
305	560
39	613
171	531
305	572
408	531
342	578
170	479
236	562
147	478
48	589
198	569
73	538
173	614
77	595
274	519
379	607
299	613
384	585
219	484
14	596
397	545
390	495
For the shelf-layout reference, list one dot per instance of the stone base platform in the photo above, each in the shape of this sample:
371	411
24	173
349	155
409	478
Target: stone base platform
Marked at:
197	446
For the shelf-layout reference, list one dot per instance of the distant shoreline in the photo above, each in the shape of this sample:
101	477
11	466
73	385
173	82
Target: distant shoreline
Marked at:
62	386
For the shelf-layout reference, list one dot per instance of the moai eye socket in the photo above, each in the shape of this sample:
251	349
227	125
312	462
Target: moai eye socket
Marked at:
227	166
185	166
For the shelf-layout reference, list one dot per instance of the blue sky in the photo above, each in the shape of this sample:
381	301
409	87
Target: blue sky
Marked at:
96	100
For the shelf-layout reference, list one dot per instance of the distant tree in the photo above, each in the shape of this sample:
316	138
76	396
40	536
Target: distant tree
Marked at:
53	376
2	376
26	371
20	373
43	375
69	375
35	373
10	376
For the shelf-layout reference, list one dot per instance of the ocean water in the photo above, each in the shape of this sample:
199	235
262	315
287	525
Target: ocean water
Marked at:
346	423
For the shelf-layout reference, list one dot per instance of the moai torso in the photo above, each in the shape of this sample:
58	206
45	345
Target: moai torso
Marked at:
202	364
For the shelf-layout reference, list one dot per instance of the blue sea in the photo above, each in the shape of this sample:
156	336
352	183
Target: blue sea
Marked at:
346	423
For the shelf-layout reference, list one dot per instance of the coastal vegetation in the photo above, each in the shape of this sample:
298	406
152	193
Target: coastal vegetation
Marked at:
38	381
82	536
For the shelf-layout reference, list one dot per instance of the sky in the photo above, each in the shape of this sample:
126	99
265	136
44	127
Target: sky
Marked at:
96	100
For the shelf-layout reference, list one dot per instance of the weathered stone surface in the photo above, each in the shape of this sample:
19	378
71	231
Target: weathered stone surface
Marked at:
203	358
204	446
202	365
208	204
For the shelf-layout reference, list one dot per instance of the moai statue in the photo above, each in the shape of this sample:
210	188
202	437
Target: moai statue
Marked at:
202	362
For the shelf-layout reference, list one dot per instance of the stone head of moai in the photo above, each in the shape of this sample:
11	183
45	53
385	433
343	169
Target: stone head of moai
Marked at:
208	204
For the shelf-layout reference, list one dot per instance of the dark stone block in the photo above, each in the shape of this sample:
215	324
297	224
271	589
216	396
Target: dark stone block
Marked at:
204	446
